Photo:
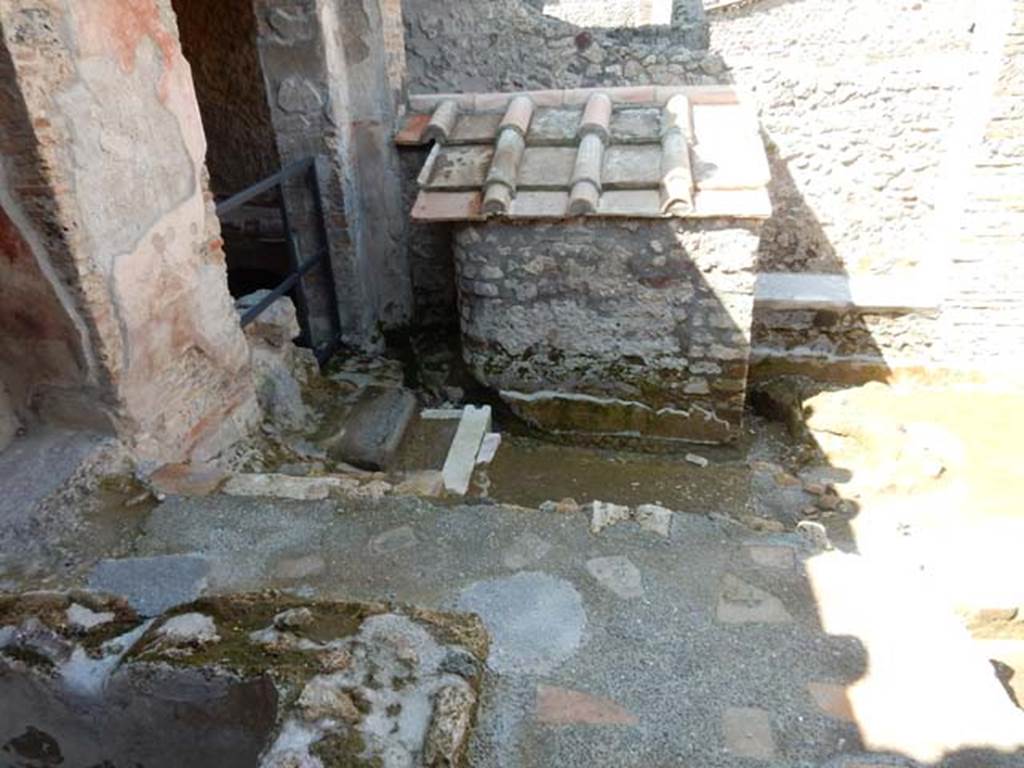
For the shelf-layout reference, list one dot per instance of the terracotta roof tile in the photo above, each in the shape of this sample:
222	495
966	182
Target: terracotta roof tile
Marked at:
681	151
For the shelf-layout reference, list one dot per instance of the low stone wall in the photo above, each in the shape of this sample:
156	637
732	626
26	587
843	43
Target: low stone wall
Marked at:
612	327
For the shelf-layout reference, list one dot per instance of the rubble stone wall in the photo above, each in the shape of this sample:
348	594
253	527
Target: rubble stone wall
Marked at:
599	326
859	106
219	41
506	45
502	45
984	314
106	178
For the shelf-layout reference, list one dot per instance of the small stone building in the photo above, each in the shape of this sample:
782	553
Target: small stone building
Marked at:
604	247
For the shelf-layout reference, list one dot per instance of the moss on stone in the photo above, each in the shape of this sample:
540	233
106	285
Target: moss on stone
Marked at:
344	750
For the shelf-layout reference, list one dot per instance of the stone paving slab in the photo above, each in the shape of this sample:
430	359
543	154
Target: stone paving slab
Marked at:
662	672
151	585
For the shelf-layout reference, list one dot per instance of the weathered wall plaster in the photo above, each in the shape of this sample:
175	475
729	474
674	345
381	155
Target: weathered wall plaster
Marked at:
124	210
612	327
327	73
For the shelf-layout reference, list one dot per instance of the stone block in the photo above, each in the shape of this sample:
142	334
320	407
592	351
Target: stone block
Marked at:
151	585
461	459
747	732
374	428
278	324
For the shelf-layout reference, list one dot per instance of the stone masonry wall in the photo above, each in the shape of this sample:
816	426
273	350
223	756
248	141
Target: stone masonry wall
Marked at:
858	103
107	188
501	45
219	41
983	321
505	45
597	326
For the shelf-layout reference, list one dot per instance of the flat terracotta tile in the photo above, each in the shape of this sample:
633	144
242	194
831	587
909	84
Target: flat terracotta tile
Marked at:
447	206
632	167
492	102
548	98
578	97
411	132
554	126
636	125
714	94
638	94
547	167
742	203
463	167
564	706
662	93
476	128
539	205
644	203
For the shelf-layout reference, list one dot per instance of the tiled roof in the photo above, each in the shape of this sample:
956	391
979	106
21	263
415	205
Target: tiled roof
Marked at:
648	152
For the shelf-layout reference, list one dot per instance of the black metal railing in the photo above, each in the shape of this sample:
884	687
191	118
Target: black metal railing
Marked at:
307	170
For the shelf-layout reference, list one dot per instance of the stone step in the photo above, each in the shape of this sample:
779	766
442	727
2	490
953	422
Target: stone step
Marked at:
374	429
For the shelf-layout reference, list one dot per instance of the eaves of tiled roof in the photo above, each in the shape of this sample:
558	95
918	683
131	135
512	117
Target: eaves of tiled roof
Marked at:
639	152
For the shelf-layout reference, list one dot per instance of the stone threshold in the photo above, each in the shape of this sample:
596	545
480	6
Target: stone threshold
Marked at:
843	293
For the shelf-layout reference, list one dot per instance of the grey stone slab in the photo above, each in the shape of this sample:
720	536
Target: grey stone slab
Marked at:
630	202
375	427
536	620
476	128
866	293
36	465
527	549
641	125
554	126
629	167
546	168
542	205
617	574
457	168
151	585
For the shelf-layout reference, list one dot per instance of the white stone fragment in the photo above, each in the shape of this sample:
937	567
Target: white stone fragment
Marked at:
189	629
82	619
654	518
281	486
488	448
458	467
699	461
441	414
603	514
814	533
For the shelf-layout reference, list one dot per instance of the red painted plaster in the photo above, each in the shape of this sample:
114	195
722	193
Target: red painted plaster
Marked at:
118	26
